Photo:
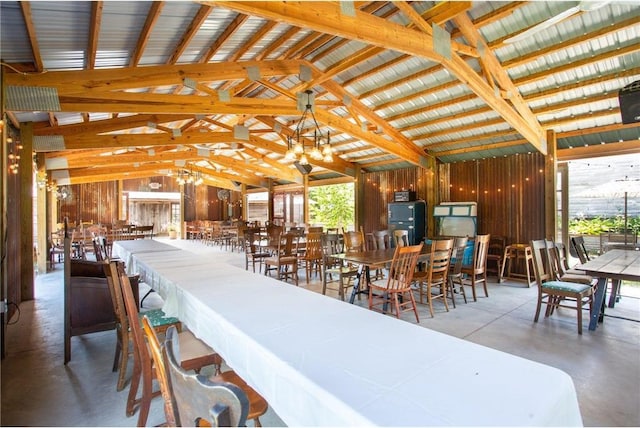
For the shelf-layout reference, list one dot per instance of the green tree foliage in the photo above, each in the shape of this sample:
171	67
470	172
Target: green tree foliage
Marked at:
332	206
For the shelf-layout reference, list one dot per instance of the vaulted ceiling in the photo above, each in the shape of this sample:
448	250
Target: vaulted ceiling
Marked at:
121	89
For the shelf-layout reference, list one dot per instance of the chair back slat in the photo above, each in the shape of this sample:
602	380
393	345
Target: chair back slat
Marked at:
403	267
439	261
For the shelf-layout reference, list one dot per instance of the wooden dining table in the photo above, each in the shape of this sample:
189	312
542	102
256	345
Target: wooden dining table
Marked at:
617	265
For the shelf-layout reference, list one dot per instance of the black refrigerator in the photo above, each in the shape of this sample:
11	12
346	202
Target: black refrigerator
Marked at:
410	216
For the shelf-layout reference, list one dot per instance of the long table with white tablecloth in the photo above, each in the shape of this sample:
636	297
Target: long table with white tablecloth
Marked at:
320	361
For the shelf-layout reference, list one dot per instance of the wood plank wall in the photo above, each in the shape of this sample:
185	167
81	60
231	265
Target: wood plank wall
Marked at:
379	188
509	192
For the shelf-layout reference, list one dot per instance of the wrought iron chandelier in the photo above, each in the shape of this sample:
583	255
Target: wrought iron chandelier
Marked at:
298	147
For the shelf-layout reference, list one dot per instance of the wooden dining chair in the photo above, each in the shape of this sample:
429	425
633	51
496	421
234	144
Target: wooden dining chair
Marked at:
196	355
455	269
401	237
253	252
354	241
476	273
554	293
579	249
396	290
124	335
285	259
312	257
256	404
200	401
559	265
334	270
435	276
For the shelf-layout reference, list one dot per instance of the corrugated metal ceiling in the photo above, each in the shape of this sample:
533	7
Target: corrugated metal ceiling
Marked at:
569	85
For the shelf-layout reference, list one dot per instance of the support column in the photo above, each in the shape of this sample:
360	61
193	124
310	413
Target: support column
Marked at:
550	185
25	173
243	201
359	199
305	198
270	201
41	223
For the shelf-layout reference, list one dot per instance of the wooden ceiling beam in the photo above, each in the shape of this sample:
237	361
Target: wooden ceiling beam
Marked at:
326	17
190	33
94	32
228	32
143	38
99	80
25	7
599	150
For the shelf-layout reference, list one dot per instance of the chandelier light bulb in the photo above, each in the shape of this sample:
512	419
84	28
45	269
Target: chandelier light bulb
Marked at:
303	160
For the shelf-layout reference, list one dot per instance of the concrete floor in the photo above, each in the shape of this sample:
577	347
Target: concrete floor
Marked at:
39	390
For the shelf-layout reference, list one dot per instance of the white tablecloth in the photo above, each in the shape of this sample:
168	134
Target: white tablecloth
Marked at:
320	361
124	250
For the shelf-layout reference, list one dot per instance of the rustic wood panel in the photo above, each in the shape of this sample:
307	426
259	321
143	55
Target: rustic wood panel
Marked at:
90	203
509	192
379	188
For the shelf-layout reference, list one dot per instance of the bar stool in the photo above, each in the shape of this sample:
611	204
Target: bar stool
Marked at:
512	254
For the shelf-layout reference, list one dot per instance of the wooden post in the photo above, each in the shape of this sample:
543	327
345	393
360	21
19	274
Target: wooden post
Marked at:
305	198
550	183
43	241
25	173
359	199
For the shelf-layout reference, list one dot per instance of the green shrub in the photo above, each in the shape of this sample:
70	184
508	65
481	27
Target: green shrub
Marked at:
595	226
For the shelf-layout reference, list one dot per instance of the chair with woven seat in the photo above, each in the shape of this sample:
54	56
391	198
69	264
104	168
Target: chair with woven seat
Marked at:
256	405
285	258
435	276
396	290
556	293
476	272
124	340
194	356
455	268
335	267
